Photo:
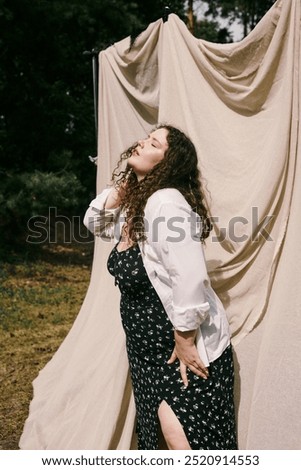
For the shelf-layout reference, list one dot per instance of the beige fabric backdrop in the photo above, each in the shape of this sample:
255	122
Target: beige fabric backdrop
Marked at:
240	105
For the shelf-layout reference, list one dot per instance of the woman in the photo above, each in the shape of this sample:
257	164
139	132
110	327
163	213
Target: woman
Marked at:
177	334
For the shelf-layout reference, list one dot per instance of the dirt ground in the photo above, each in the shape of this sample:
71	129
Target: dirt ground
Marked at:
40	296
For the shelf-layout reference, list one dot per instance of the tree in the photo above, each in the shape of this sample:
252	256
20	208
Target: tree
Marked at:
246	12
46	116
212	31
204	28
46	99
46	94
46	90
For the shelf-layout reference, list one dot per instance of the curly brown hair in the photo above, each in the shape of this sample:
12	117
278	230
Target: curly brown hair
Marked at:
178	169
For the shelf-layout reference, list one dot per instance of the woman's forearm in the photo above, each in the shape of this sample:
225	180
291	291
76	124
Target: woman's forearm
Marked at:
185	338
113	199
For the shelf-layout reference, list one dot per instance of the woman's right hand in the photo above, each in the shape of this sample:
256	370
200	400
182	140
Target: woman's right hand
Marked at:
185	350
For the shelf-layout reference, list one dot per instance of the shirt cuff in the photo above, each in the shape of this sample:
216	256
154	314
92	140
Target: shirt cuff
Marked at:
190	318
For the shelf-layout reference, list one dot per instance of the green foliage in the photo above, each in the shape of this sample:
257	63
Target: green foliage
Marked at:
38	190
46	92
211	31
152	10
47	111
246	12
25	195
47	126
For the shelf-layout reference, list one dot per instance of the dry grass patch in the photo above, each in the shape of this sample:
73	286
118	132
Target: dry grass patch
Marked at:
40	299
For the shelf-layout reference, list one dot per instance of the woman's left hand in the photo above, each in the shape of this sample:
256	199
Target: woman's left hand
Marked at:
185	350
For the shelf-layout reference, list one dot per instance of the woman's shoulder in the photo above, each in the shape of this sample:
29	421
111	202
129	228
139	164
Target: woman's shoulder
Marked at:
165	196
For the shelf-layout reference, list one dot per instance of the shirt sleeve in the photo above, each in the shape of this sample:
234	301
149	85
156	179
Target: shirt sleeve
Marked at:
100	221
175	237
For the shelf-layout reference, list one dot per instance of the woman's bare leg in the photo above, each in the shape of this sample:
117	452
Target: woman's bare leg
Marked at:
172	430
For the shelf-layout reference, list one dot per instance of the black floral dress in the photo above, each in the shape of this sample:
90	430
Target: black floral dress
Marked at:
205	408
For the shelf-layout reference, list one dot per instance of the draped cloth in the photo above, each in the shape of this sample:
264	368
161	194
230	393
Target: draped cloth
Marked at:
239	103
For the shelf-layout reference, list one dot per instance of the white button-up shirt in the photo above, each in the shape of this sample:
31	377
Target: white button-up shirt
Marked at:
174	260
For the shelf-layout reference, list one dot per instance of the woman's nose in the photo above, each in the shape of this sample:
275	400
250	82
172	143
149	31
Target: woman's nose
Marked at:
141	143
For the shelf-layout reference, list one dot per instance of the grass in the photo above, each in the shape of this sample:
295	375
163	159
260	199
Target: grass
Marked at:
41	294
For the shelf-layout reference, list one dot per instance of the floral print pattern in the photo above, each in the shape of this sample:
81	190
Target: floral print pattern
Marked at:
205	408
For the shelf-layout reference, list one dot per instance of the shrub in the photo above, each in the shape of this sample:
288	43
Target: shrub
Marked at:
25	195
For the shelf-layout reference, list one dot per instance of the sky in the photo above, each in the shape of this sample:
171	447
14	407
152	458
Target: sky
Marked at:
236	28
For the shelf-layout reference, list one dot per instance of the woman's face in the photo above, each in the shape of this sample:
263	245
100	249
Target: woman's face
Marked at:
149	152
